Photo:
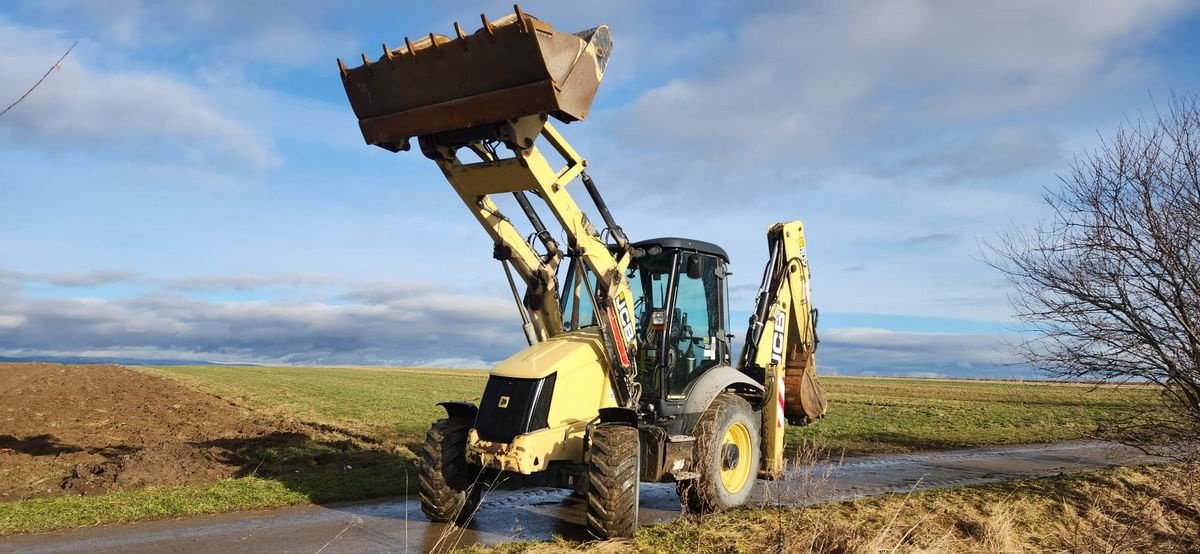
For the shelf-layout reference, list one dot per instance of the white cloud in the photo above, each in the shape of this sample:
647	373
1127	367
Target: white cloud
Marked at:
91	278
375	322
870	351
404	324
246	31
801	79
247	282
977	159
241	282
84	104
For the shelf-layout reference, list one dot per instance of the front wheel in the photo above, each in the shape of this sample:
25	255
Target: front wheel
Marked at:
726	457
448	490
613	475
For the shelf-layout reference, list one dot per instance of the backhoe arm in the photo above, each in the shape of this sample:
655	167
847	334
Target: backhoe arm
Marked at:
782	340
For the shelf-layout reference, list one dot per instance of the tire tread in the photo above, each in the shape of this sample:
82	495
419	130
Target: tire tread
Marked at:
612	491
445	481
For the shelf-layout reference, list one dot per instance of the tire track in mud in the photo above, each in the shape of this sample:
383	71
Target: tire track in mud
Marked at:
537	514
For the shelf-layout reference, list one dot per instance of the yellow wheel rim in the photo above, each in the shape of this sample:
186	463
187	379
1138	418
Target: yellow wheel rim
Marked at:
734	456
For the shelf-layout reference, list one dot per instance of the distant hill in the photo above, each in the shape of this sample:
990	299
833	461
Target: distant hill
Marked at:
103	360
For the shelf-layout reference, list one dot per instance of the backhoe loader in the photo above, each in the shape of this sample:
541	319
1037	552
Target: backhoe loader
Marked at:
629	374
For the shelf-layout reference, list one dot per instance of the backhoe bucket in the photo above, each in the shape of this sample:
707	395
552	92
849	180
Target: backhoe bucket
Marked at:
512	67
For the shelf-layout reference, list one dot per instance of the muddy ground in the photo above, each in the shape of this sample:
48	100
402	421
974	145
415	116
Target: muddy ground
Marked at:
91	429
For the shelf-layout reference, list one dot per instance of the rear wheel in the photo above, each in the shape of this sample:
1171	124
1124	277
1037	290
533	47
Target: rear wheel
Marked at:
446	480
613	475
726	457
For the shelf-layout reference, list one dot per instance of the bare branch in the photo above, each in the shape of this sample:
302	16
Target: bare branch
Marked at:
1109	286
39	81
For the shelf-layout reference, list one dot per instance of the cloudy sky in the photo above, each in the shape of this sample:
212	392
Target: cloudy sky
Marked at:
192	184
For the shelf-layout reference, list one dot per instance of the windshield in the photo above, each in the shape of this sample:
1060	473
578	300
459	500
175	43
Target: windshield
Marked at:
648	276
677	340
650	280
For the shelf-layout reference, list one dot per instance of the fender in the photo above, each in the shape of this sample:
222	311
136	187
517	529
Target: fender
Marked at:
704	389
619	415
460	410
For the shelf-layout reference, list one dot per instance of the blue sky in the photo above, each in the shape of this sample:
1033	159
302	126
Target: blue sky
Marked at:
192	185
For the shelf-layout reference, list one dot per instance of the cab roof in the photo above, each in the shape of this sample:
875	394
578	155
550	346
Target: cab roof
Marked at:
685	244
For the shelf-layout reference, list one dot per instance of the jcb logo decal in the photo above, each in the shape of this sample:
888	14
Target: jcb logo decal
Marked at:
777	338
626	320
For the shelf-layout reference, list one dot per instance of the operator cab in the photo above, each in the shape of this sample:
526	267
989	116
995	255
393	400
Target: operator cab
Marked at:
680	304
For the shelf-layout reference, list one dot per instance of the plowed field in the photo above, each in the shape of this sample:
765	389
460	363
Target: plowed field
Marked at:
88	429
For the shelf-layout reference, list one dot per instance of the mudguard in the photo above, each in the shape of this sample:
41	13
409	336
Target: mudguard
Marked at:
704	389
460	410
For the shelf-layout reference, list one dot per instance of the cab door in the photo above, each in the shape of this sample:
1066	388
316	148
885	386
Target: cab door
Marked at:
695	338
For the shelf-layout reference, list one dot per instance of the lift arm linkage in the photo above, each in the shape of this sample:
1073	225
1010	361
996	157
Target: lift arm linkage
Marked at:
782	340
528	171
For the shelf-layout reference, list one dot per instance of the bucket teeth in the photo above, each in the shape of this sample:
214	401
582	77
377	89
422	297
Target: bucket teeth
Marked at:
487	26
387	52
342	68
521	22
461	36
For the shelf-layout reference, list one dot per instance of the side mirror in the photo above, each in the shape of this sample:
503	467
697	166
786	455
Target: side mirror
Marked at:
695	267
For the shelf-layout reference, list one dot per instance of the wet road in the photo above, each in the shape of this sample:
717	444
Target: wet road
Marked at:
397	525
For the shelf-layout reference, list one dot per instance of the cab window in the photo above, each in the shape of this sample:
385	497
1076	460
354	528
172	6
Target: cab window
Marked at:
695	322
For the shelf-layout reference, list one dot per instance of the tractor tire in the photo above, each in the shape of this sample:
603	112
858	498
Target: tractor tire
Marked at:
447	482
613	476
726	457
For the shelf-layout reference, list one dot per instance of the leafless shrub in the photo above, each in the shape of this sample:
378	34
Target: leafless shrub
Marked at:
1109	288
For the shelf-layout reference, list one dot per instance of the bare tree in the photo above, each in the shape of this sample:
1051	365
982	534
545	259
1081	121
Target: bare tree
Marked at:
1109	287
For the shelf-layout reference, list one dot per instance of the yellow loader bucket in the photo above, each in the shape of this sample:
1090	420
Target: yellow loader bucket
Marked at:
512	67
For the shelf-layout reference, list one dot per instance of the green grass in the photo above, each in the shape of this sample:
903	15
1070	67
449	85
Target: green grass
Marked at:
865	415
900	415
395	406
299	470
47	514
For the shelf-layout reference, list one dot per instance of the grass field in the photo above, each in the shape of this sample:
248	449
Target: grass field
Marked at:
392	408
395	405
865	415
898	415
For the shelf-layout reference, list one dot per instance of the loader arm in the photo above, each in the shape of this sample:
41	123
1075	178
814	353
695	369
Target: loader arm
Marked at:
781	342
489	95
529	171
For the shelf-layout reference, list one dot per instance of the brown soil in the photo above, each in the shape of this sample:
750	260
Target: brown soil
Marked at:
89	429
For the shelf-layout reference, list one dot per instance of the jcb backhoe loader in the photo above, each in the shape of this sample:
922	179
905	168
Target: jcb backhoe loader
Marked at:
629	374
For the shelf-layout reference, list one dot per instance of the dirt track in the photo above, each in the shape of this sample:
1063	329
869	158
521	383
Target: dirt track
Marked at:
398	526
90	429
